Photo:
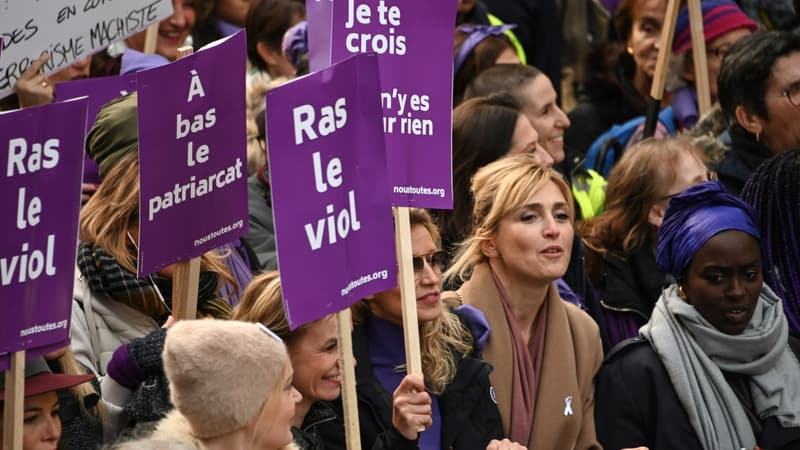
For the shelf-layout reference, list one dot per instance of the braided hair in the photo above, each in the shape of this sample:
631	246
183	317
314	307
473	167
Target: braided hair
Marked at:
774	193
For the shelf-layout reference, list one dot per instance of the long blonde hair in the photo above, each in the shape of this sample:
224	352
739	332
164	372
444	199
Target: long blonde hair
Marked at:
499	189
111	216
443	341
70	366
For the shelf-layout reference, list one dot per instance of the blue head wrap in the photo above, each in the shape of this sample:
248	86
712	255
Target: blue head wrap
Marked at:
695	216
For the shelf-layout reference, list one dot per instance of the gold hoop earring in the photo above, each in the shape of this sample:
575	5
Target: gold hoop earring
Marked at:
758	136
682	294
630	50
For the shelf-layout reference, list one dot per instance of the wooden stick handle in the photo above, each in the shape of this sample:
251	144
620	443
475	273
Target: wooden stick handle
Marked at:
662	63
184	289
14	401
151	39
352	431
664	49
700	57
186	50
407	290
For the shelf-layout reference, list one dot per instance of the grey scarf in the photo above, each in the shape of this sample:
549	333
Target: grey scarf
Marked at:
695	354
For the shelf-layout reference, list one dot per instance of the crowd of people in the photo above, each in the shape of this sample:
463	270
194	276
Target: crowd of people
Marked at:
648	300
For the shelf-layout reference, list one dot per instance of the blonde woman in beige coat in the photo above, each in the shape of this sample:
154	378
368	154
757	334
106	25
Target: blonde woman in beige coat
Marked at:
545	351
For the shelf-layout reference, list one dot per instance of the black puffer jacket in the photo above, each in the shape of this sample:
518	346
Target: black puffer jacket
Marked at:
470	418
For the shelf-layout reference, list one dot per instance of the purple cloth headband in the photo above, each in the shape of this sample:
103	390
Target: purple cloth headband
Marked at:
695	216
477	33
295	42
133	61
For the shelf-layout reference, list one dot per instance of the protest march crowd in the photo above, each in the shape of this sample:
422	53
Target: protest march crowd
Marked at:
590	288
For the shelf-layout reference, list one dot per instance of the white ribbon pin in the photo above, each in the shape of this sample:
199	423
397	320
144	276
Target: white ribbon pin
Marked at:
568	406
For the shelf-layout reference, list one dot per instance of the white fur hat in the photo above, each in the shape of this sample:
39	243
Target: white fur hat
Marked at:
221	372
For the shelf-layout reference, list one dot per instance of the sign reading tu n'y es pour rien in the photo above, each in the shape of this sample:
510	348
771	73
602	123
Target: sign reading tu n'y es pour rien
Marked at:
40	183
330	195
414	43
67	30
99	91
192	153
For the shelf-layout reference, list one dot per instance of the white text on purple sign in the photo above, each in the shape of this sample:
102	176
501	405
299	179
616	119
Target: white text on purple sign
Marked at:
331	118
196	186
26	158
369	42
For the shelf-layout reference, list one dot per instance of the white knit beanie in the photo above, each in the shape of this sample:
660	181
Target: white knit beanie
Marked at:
221	372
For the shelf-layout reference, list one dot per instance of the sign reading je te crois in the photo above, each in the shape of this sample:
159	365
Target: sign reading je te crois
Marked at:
414	43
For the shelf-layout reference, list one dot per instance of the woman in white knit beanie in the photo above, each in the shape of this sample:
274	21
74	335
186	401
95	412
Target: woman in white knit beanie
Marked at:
231	384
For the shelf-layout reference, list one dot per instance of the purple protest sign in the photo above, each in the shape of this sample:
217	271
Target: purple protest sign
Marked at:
330	196
40	227
99	92
318	15
414	41
192	154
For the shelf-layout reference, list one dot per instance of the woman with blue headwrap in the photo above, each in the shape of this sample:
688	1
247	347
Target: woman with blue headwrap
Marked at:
720	371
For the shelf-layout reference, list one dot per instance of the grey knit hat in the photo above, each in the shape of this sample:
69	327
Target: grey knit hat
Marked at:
221	372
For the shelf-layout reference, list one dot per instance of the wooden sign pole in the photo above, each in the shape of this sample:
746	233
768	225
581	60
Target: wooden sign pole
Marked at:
700	57
151	39
660	76
185	283
405	276
186	279
14	402
352	431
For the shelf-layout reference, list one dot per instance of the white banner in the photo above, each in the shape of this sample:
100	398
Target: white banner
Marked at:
68	30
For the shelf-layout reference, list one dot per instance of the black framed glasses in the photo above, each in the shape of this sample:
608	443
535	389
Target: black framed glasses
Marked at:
793	94
437	261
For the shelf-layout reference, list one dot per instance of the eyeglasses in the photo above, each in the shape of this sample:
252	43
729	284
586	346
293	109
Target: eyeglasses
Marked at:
437	261
793	94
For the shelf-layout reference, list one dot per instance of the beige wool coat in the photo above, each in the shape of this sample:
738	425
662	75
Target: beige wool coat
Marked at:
564	410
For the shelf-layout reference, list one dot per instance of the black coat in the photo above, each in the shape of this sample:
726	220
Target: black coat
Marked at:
636	405
629	288
740	161
470	418
538	30
306	437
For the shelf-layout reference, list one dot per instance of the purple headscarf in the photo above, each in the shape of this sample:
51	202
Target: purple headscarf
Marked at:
134	61
695	216
295	42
